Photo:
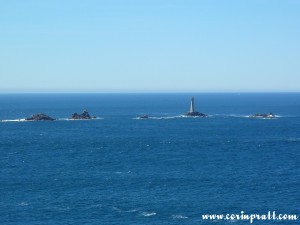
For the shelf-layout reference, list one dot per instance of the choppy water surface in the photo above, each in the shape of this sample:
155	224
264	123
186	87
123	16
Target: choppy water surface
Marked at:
167	169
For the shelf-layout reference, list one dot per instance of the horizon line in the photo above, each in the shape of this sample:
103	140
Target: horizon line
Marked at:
148	92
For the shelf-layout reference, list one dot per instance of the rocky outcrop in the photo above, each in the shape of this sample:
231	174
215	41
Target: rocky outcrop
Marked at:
263	115
39	117
196	114
83	116
143	117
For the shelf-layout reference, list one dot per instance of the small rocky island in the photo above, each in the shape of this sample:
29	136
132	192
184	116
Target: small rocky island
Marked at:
192	111
143	116
83	116
264	115
39	117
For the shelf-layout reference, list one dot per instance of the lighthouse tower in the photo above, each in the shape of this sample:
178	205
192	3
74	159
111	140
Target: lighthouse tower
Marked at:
192	109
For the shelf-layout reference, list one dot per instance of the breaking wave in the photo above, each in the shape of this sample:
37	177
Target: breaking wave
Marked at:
15	120
148	214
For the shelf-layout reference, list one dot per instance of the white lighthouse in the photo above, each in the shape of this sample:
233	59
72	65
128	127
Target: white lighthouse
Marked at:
192	109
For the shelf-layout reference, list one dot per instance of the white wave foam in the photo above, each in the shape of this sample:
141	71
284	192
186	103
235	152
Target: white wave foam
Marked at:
290	116
237	115
179	216
164	117
156	118
148	214
167	117
23	204
15	120
117	209
293	139
59	119
124	211
185	116
244	116
68	119
131	211
230	115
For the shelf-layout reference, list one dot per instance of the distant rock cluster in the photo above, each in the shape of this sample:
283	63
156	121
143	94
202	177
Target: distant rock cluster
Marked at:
39	117
264	115
86	116
75	116
83	116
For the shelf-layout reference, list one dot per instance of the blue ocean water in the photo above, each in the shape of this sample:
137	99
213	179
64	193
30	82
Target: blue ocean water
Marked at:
163	170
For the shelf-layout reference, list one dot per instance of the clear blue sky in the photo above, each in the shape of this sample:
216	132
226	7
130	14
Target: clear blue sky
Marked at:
149	45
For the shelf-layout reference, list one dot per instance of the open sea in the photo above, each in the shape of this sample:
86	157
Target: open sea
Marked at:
168	169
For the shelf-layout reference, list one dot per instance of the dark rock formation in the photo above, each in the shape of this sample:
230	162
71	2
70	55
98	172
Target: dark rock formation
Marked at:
143	117
83	116
39	117
196	114
263	115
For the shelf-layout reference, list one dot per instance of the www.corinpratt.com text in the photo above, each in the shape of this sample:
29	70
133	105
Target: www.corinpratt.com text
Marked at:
251	217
